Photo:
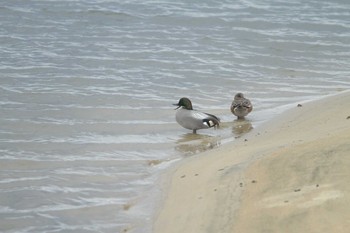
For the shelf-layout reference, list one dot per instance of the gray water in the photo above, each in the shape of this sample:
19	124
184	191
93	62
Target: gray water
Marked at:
86	91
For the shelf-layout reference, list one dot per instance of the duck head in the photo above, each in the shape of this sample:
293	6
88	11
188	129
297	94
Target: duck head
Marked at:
185	103
239	96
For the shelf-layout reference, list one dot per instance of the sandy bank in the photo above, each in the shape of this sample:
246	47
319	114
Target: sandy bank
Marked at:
290	175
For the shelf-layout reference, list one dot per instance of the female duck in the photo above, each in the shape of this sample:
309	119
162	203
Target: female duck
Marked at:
241	106
192	119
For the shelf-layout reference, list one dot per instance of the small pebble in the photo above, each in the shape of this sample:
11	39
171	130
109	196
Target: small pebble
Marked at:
299	105
183	176
297	190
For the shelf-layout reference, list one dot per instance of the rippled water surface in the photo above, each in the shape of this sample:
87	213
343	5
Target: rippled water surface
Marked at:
86	91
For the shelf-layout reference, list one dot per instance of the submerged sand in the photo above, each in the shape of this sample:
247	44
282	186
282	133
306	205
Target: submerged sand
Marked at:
290	175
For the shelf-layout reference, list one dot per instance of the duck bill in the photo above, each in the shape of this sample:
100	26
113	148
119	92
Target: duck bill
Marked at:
178	106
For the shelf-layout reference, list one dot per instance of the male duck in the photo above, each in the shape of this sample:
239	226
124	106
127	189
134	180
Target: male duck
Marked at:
192	119
241	106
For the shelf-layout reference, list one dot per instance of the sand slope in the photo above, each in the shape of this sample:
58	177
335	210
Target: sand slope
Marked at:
290	175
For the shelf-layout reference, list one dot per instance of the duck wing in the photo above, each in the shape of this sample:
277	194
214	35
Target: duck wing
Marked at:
209	120
236	103
247	104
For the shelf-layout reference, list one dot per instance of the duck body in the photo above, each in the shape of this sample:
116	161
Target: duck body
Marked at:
241	106
192	119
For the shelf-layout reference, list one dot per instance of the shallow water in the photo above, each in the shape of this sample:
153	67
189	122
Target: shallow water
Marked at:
87	87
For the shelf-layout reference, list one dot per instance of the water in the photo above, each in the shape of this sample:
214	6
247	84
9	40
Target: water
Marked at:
87	87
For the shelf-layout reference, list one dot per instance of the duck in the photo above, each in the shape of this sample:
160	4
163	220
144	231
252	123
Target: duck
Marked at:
192	119
241	106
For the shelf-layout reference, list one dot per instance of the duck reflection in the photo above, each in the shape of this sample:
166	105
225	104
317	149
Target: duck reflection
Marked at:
190	144
241	127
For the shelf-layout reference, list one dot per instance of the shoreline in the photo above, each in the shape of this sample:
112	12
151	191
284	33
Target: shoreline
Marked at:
220	190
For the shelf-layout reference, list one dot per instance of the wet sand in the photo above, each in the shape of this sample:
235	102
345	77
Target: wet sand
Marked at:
289	175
